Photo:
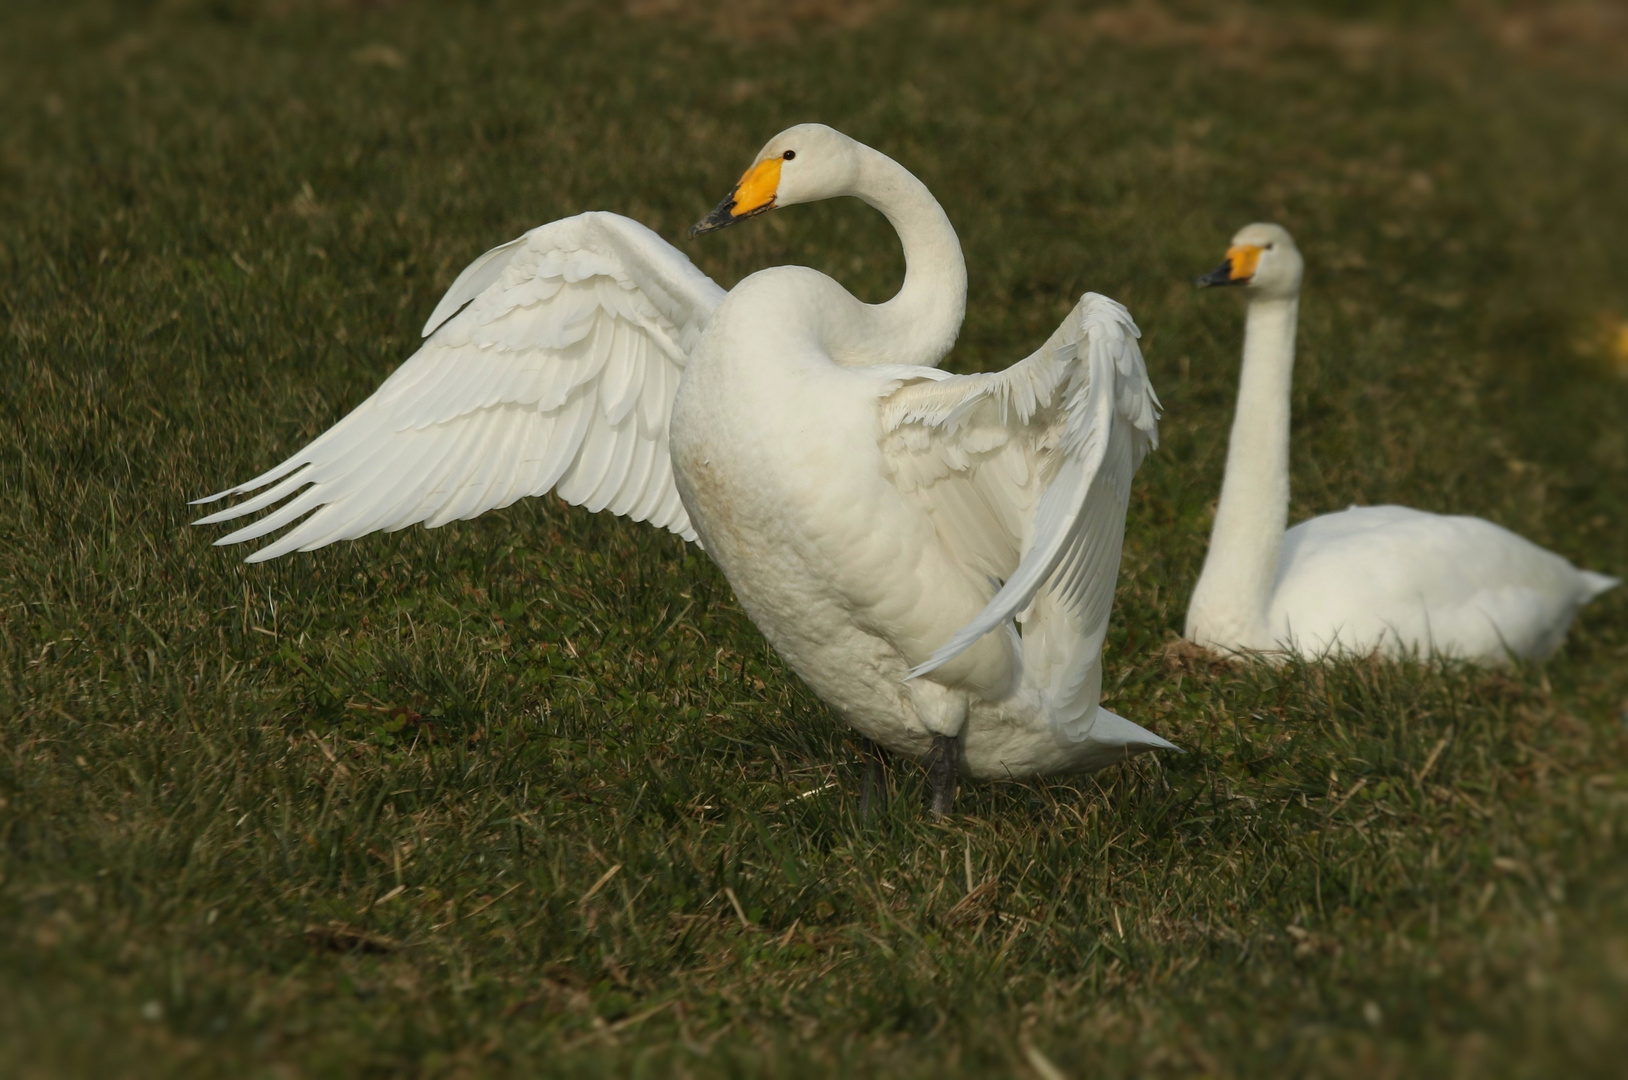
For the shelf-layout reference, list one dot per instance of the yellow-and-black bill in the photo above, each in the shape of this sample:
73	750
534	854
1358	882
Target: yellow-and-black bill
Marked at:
753	195
1236	269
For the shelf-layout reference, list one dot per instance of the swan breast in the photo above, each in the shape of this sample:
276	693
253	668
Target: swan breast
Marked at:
776	449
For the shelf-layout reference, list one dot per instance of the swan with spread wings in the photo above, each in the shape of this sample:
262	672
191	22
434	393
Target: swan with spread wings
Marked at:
934	554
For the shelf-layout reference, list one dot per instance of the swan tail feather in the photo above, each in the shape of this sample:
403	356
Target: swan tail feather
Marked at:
1595	584
1114	730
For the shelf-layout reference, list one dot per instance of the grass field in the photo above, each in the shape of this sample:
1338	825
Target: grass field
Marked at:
529	795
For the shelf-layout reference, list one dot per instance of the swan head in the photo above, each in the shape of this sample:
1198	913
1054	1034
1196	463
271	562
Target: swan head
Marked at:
1263	258
802	164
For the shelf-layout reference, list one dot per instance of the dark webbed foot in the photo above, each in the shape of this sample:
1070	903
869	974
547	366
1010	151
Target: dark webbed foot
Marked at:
943	761
873	796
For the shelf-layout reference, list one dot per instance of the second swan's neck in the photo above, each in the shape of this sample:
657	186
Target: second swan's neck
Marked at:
920	324
1234	591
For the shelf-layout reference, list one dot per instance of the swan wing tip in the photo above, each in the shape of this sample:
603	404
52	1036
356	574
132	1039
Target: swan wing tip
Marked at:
924	668
226	514
946	652
217	497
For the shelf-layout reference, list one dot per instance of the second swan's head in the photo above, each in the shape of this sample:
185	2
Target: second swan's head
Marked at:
802	164
1262	258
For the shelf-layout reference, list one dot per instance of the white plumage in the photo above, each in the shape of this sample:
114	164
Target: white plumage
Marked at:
1402	578
551	363
887	525
1378	578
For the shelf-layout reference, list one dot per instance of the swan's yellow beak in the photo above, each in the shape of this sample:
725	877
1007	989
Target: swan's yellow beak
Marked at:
1237	269
752	196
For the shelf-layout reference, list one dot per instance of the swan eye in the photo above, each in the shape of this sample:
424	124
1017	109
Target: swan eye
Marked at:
1268	247
789	154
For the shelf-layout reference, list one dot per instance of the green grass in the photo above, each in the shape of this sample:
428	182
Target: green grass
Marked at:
530	795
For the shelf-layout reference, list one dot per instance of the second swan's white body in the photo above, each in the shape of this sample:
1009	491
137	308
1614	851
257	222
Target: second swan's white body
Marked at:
1384	579
1398	579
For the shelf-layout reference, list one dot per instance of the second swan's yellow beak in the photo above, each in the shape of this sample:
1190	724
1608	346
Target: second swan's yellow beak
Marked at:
1236	269
753	195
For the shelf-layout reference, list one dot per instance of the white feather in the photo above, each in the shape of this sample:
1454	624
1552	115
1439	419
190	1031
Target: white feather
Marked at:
1085	391
535	358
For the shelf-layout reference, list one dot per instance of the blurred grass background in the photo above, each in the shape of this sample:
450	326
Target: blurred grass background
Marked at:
529	795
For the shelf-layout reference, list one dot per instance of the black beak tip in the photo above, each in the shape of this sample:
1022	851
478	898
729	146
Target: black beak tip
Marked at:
1221	275
720	218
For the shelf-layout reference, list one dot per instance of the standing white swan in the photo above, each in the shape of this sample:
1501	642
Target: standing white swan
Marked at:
1375	578
866	507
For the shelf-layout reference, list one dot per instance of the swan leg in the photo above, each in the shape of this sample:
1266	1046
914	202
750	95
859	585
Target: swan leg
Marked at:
943	761
874	794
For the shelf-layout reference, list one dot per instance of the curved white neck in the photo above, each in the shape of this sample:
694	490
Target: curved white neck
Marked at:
1229	606
920	324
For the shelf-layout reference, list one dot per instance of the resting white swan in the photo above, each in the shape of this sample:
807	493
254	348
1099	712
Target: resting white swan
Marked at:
1383	578
866	507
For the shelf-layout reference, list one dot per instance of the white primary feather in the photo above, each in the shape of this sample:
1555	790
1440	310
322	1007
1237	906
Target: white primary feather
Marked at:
551	362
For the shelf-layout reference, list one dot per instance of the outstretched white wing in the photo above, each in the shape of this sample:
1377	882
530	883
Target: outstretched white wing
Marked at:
1026	473
552	362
